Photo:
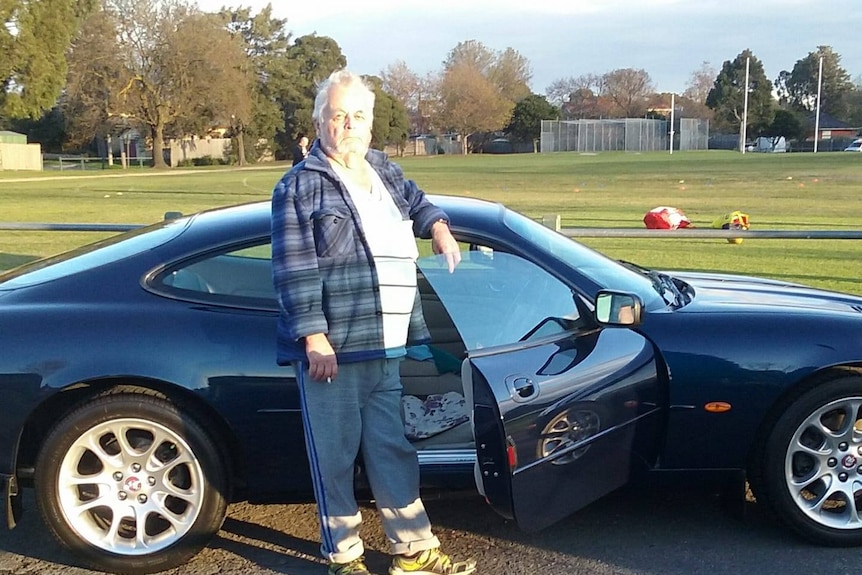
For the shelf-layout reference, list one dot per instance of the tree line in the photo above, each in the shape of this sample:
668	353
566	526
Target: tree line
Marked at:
73	71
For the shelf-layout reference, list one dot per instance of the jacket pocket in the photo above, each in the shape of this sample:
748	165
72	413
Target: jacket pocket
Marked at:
333	232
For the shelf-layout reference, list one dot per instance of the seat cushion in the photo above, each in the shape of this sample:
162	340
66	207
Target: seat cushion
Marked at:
435	414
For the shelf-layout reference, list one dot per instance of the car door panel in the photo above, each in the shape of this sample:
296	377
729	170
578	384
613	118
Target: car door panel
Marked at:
562	409
579	432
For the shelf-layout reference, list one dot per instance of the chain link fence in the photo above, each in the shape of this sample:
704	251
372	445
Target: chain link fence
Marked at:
624	135
693	134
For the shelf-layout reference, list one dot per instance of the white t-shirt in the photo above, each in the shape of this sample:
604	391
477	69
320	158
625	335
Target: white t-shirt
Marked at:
393	247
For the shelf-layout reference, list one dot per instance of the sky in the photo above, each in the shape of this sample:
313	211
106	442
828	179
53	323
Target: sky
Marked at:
669	39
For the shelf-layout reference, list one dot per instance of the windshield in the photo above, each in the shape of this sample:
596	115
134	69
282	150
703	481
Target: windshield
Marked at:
92	255
607	273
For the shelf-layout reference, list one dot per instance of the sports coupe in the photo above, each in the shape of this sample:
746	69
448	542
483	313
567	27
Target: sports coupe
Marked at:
142	393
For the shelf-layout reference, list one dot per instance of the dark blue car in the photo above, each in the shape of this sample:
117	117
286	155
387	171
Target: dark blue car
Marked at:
141	393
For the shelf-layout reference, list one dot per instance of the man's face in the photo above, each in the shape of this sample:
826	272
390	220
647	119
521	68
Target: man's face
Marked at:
346	122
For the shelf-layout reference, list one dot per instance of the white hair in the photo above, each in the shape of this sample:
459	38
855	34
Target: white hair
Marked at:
343	77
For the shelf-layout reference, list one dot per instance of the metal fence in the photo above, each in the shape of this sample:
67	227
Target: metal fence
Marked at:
628	135
552	221
82	163
625	135
693	134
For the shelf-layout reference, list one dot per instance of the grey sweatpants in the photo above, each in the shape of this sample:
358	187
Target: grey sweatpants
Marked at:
361	409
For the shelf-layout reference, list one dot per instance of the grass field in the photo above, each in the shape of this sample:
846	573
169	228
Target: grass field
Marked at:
778	191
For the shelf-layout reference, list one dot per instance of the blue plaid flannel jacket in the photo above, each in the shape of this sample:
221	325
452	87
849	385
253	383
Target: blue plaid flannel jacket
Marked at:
323	269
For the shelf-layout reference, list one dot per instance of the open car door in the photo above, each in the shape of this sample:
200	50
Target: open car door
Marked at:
563	410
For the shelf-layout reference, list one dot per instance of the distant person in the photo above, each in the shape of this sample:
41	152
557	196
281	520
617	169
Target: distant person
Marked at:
344	254
300	151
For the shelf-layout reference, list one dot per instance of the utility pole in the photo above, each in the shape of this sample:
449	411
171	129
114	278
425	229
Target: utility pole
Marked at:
672	96
743	137
817	114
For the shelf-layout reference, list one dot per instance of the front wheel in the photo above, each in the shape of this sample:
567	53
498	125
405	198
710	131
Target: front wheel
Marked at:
131	484
811	464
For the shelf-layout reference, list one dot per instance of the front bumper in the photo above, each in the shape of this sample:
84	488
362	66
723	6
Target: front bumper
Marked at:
12	497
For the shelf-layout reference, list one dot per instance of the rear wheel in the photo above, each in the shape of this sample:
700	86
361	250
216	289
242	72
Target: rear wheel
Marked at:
131	484
811	464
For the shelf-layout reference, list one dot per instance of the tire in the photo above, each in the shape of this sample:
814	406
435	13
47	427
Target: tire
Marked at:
130	483
811	466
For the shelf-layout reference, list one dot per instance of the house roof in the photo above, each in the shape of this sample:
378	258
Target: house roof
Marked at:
829	122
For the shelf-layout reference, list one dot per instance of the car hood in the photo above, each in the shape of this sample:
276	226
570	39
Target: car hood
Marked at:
720	291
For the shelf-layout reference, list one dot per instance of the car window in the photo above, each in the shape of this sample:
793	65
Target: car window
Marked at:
93	255
497	298
239	276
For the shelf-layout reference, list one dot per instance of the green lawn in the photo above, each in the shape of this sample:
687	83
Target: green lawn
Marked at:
778	191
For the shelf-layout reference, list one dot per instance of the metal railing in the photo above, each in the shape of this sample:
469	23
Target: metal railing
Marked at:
569	232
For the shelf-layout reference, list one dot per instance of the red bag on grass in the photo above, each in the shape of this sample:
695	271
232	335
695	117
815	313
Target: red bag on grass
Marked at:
665	218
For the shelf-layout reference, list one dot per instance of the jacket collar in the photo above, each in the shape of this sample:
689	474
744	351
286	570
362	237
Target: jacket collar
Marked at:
317	159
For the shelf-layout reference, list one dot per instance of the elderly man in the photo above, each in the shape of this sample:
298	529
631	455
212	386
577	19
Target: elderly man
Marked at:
344	224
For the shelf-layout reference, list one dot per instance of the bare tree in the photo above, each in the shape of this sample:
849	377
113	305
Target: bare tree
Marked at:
405	86
428	103
628	89
96	76
700	83
579	97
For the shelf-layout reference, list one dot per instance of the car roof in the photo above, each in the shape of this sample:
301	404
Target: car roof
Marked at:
255	216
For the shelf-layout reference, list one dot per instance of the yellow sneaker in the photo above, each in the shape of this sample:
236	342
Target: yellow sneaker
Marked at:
355	567
430	562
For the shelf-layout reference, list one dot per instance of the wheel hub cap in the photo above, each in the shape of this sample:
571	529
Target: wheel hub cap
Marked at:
823	474
133	484
131	487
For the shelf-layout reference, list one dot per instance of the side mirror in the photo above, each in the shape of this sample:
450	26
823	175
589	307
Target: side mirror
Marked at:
618	308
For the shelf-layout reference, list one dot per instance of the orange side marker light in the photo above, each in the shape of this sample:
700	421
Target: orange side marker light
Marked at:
717	407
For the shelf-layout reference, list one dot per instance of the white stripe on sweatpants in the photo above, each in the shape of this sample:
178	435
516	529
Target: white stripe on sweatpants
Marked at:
361	410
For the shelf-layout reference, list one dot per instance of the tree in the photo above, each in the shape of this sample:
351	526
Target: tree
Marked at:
49	130
785	124
499	78
727	96
581	97
799	87
628	89
33	44
266	42
406	87
854	103
473	54
470	103
508	70
91	102
428	103
391	125
700	82
511	73
526	123
184	67
311	59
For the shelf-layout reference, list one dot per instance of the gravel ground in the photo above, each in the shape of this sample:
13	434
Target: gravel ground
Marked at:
635	531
